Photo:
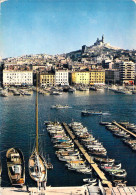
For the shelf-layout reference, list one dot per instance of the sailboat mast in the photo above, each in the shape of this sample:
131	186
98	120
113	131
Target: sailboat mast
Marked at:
36	113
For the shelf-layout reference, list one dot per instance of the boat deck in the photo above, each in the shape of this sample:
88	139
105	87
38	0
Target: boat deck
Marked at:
34	173
87	157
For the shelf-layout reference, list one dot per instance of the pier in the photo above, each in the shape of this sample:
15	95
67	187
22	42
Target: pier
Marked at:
123	128
88	157
78	190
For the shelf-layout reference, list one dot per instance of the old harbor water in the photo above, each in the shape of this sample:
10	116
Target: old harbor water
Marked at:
17	129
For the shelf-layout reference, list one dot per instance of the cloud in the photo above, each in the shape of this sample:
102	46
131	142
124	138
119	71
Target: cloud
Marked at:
134	1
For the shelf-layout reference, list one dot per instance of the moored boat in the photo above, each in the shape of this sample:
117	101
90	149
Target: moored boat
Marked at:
104	160
4	93
89	180
16	166
87	113
120	173
55	93
58	106
37	165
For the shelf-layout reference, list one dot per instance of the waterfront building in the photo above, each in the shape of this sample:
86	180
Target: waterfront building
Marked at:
17	77
112	76
47	79
127	72
61	77
81	77
97	77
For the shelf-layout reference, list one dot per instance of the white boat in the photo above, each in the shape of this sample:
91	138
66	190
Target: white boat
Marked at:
85	170
104	160
99	89
67	153
83	89
111	168
69	158
4	93
58	106
87	113
89	180
77	165
64	145
37	165
120	173
55	93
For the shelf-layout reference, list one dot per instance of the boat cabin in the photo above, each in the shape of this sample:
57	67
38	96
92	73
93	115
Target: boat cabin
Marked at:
16	169
15	157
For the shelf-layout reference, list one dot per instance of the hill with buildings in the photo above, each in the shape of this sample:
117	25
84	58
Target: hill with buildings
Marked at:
112	64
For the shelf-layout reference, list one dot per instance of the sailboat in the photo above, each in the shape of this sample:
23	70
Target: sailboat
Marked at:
37	165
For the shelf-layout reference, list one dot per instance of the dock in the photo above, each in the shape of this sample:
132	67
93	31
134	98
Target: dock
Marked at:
123	128
79	190
88	157
73	190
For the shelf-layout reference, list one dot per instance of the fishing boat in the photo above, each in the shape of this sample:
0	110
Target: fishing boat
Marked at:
85	170
37	165
120	173
87	113
69	158
64	145
98	153
104	160
120	134
4	93
16	166
111	168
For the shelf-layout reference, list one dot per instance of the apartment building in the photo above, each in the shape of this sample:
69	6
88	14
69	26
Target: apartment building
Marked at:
17	77
81	77
97	77
47	79
61	77
127	72
112	76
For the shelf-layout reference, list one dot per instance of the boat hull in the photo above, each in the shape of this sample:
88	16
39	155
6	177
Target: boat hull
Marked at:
37	168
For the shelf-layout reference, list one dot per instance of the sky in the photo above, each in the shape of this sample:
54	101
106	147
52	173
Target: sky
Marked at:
61	26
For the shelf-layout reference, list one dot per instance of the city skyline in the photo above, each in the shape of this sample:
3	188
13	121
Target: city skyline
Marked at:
59	26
